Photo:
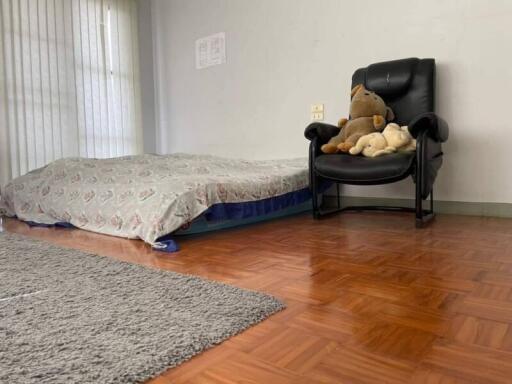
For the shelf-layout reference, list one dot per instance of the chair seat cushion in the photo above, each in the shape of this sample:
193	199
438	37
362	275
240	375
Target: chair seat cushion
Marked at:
365	170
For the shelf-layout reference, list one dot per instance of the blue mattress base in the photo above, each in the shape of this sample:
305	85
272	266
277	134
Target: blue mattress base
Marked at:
227	215
62	224
202	225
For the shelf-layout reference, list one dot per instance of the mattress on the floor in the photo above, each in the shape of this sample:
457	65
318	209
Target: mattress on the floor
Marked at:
146	196
229	215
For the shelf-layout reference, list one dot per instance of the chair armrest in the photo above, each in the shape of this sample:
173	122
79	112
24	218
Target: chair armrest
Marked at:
434	126
321	131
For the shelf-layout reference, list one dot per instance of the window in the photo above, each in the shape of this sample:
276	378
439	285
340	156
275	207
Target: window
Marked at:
70	82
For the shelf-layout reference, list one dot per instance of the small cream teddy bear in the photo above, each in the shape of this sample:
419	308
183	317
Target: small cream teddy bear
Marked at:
392	139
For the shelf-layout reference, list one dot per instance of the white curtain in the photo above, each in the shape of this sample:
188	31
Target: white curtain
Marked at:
69	82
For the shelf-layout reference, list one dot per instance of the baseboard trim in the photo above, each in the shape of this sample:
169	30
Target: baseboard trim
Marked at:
440	206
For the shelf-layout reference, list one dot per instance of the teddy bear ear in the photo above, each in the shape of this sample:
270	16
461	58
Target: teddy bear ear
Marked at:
355	89
390	115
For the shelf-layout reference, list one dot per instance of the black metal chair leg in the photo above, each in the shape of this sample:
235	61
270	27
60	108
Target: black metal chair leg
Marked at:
423	217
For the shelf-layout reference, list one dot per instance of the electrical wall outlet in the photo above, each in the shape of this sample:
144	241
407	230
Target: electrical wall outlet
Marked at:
317	112
317	116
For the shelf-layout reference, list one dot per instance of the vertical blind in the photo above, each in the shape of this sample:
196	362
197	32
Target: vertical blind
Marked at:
69	82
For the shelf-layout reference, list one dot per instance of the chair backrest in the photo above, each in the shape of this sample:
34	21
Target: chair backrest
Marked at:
406	85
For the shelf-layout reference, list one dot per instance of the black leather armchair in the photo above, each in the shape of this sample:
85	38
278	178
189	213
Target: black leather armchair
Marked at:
407	86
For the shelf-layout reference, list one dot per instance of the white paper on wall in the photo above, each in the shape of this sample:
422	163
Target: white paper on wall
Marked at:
211	50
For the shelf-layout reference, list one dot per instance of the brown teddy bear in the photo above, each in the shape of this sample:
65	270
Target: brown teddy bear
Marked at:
368	113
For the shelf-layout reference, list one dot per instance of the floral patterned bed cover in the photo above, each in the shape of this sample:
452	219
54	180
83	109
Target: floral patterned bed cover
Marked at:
146	196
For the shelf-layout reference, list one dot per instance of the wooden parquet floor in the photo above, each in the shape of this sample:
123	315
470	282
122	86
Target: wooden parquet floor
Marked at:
371	299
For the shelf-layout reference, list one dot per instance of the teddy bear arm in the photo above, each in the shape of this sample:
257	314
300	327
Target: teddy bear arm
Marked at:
379	122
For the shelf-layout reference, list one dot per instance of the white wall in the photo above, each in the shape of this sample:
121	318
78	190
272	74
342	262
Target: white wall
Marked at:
147	88
283	55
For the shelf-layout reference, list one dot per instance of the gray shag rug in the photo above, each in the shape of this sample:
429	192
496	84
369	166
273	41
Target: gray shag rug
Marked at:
71	317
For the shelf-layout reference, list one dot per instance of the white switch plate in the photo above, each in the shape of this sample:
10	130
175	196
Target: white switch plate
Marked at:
317	108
